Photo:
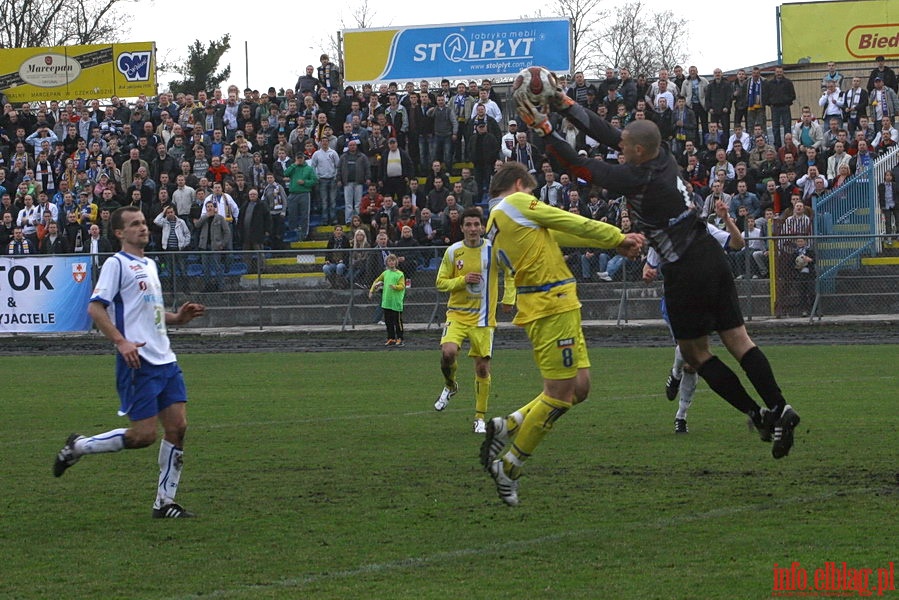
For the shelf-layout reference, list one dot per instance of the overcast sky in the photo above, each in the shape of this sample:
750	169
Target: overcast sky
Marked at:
720	36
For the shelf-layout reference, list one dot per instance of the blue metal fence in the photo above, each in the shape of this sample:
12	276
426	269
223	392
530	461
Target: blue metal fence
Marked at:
850	218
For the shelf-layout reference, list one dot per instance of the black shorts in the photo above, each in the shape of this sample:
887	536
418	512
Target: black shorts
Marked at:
700	293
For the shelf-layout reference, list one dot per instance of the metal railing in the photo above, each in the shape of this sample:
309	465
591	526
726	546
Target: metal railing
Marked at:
266	290
291	288
849	219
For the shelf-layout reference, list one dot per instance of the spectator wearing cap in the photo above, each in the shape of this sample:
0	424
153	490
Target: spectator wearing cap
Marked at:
87	210
26	186
611	101
886	74
103	183
882	101
243	159
480	115
508	141
209	119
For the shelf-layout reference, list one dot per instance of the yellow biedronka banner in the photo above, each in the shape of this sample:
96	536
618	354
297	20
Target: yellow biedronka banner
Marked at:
840	31
66	72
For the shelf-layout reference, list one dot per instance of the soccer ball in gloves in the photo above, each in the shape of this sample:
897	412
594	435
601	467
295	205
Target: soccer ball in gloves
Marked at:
538	84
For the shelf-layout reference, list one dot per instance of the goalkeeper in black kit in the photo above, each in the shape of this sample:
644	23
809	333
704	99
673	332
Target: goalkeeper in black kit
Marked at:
698	284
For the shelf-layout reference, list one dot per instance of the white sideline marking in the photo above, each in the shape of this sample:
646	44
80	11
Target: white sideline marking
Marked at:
441	557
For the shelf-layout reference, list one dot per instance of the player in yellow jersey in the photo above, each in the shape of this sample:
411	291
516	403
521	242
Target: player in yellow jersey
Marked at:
466	273
526	236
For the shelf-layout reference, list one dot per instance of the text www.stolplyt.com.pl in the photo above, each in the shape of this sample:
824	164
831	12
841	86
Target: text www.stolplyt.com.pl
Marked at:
833	580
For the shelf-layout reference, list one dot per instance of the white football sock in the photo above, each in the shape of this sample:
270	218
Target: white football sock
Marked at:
687	389
170	462
111	441
677	369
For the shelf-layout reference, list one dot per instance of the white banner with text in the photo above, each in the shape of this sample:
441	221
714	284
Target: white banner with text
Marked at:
42	294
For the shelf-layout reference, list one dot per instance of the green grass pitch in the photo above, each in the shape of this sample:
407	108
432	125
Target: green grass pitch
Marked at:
330	476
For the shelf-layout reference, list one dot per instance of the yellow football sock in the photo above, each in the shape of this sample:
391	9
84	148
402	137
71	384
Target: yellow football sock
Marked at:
514	421
481	396
539	420
449	375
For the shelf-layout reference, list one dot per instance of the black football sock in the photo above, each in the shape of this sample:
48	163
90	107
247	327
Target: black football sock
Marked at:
726	384
759	372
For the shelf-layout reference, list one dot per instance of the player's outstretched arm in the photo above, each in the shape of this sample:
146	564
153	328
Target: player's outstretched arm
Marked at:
632	245
570	230
736	241
187	313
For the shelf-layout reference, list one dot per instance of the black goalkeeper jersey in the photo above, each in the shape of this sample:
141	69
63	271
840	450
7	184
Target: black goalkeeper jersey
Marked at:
658	202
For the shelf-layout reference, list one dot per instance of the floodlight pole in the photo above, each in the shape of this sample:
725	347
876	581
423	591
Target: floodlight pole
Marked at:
778	21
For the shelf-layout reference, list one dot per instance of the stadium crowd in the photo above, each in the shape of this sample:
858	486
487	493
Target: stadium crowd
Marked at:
218	170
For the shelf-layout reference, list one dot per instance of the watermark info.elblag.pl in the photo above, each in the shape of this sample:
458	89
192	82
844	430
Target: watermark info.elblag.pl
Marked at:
833	580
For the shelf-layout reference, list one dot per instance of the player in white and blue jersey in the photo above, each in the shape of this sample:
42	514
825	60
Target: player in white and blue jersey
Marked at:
127	307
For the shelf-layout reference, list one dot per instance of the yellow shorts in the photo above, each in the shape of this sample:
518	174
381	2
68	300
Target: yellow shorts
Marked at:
479	338
559	345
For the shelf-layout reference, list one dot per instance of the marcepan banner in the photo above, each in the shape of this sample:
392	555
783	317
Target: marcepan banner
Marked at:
67	72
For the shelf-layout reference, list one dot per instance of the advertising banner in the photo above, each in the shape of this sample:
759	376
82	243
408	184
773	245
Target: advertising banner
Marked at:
456	52
856	30
44	293
68	72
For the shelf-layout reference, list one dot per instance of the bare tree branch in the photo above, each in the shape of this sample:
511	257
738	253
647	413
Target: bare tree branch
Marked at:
38	23
641	40
585	16
668	31
364	15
